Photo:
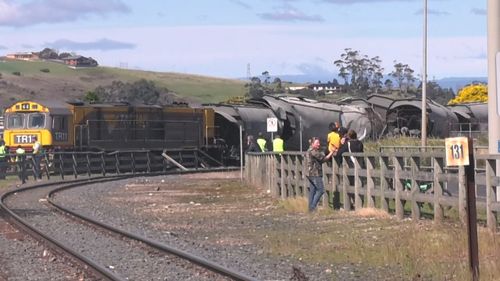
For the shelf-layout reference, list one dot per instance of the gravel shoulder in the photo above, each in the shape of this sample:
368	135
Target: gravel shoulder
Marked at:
221	219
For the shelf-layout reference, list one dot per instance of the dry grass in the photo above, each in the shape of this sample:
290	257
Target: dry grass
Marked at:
371	213
294	205
371	238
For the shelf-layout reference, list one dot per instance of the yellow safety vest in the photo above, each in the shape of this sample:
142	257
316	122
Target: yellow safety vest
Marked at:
262	144
2	152
20	153
278	145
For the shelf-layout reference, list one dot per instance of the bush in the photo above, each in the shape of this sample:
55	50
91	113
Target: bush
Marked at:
471	93
17	73
46	70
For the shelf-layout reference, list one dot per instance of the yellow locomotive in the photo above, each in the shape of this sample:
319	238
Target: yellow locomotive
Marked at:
113	126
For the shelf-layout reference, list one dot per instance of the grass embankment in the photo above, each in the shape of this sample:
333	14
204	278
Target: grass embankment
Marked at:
63	82
371	238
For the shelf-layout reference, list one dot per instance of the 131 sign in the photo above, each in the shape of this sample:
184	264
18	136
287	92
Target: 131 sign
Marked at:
457	151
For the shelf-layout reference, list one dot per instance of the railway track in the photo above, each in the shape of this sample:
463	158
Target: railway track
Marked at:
108	252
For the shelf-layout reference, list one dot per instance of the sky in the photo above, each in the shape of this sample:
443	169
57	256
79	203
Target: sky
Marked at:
231	38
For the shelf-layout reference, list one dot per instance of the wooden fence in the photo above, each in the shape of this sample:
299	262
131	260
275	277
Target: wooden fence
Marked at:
385	180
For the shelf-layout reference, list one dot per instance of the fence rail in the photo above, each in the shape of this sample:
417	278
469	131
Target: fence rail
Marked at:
387	180
76	163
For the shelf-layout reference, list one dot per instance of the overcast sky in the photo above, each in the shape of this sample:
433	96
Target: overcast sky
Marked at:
221	37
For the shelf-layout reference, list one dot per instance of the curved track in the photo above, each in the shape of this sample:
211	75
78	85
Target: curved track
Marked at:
154	252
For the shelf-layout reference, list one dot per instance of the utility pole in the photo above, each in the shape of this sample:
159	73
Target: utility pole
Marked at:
493	80
424	81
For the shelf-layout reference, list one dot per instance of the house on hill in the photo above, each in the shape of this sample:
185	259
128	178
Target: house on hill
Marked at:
329	88
28	56
80	61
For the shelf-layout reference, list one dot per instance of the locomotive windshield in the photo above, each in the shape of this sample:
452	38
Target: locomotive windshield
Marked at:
26	120
15	121
36	120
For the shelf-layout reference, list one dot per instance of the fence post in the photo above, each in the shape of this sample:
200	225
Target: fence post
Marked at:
384	183
61	165
103	164
415	188
335	185
46	166
370	183
462	198
345	185
148	162
398	186
358	201
117	163
89	171
438	164
305	173
491	196
75	164
132	158
282	175
296	178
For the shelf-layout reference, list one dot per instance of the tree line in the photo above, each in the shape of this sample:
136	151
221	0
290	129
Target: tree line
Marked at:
362	75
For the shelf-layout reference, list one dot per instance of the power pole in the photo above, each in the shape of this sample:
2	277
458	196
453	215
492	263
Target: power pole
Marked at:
424	81
493	80
249	73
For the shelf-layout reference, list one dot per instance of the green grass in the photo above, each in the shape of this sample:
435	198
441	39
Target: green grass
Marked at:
195	87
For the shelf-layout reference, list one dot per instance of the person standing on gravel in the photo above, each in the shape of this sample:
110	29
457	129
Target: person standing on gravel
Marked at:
316	158
3	159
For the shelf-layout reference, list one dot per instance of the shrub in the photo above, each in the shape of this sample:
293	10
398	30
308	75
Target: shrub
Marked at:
46	70
17	73
471	93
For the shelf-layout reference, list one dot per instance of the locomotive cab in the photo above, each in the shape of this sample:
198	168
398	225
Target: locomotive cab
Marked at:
27	122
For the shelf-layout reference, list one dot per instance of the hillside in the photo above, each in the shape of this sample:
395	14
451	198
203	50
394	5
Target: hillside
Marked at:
65	83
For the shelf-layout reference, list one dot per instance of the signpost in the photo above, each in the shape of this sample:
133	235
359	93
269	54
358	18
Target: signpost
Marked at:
460	152
272	126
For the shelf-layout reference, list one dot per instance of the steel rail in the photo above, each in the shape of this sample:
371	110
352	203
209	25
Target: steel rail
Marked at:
57	246
210	265
96	268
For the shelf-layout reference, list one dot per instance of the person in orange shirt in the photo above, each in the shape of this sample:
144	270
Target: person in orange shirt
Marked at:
333	138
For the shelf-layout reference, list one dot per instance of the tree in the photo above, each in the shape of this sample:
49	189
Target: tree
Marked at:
255	88
278	86
376	73
48	53
435	92
91	97
471	93
398	74
388	84
141	91
64	55
267	77
403	74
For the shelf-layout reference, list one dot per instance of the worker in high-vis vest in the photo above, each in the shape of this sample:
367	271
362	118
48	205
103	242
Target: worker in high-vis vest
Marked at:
261	141
20	159
278	144
37	157
3	159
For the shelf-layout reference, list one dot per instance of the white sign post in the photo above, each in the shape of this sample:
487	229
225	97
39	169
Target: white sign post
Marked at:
272	126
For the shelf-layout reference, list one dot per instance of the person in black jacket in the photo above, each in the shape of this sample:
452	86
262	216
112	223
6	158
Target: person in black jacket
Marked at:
351	145
252	145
